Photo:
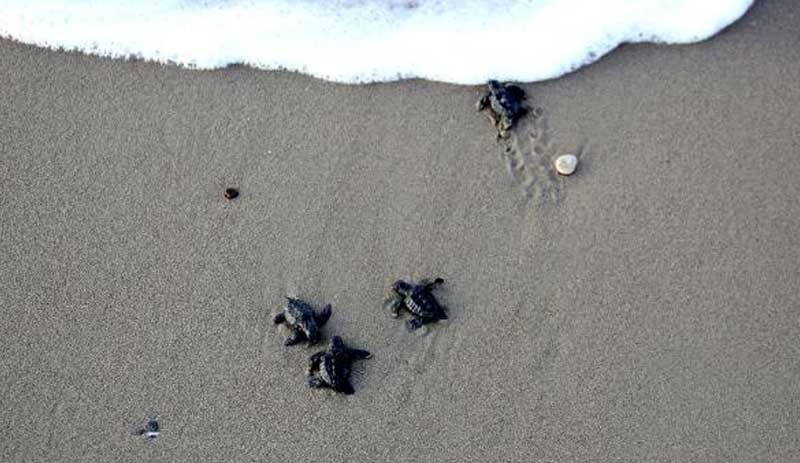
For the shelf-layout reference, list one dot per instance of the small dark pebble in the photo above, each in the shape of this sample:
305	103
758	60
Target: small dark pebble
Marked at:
152	426
151	430
231	193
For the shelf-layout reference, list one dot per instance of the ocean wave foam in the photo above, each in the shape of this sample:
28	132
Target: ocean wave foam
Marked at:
459	41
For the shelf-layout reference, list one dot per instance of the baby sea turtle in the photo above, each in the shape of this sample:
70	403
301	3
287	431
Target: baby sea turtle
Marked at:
151	430
417	299
504	102
303	321
331	368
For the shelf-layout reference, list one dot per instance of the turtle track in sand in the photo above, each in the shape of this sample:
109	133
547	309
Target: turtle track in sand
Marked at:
528	156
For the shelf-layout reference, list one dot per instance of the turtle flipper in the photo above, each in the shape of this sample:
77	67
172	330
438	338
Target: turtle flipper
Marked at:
358	354
441	314
493	117
483	102
345	388
393	304
415	324
294	338
317	383
429	285
506	123
322	317
314	361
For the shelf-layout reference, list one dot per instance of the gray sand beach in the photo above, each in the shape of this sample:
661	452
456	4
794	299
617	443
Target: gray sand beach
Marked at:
644	309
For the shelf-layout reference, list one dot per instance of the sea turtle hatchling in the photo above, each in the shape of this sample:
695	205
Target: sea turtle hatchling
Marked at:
417	299
301	319
505	105
331	368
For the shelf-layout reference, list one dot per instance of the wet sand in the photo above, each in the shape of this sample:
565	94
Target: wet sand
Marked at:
644	309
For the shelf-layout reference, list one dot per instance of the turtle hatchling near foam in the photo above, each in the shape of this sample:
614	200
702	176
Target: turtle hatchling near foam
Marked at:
331	368
303	321
505	105
417	299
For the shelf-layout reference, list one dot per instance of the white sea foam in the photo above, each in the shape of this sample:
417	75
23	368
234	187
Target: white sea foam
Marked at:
460	41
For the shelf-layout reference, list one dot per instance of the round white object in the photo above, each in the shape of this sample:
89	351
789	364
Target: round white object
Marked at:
566	164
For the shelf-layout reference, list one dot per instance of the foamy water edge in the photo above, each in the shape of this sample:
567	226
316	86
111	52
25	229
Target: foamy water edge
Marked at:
357	41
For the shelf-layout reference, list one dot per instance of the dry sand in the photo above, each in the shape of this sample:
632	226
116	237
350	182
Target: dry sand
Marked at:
644	309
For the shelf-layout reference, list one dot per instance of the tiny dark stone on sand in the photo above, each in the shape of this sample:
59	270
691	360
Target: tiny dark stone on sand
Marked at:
231	193
151	430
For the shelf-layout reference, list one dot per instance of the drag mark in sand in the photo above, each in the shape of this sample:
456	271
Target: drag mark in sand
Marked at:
527	154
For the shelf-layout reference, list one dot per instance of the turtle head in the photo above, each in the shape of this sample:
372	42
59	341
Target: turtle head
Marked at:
337	345
494	85
402	288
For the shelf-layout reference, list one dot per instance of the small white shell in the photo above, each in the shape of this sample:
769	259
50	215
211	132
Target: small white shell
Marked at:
566	164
